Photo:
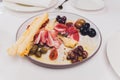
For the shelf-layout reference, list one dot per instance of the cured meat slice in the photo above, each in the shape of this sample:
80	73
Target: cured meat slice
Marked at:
60	27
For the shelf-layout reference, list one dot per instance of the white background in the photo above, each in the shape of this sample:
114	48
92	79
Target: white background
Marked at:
97	68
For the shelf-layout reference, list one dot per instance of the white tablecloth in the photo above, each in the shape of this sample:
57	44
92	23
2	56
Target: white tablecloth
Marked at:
97	68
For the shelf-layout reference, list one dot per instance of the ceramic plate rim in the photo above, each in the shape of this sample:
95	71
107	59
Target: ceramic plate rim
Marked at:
97	9
108	53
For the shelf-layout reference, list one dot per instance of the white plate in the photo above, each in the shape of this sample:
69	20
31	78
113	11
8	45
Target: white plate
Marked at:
22	8
88	4
92	45
113	52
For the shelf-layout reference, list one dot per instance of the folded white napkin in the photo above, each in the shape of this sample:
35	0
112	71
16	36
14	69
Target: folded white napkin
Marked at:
41	3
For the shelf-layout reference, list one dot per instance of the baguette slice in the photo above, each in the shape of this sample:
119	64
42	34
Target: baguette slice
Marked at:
24	43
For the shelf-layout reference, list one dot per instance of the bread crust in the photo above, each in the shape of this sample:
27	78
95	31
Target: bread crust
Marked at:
25	42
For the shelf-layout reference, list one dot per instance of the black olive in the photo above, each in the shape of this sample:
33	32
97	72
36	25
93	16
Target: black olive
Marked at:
92	32
87	25
83	31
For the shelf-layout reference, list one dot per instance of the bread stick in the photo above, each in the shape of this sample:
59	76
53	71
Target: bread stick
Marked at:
27	43
24	43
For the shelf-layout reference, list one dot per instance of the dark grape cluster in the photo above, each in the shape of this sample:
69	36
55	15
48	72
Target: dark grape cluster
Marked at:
86	30
61	20
77	54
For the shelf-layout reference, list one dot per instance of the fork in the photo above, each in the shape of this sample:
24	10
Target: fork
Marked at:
61	5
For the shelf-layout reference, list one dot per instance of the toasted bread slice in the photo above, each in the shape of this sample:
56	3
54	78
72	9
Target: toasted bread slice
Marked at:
24	43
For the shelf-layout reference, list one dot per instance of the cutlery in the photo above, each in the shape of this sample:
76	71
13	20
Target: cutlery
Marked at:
61	5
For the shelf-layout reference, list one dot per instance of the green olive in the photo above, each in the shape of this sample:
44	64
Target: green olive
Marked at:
43	50
33	49
79	23
82	21
38	54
